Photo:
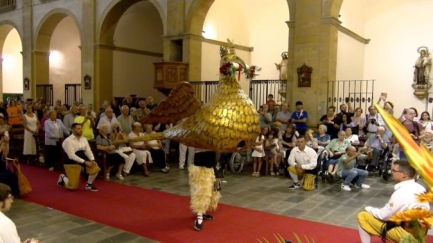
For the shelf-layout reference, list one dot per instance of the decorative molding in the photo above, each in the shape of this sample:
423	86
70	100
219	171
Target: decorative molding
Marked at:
129	50
290	23
337	23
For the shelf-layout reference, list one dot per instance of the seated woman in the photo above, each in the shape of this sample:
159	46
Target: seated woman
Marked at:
323	139
104	143
352	138
289	140
346	122
155	149
126	152
139	148
336	148
310	140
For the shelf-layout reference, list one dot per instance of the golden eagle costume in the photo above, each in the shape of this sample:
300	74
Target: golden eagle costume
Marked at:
220	125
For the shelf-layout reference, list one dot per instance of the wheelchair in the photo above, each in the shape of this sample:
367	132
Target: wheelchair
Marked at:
239	159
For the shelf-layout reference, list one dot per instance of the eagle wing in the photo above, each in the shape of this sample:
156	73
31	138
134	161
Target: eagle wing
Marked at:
179	104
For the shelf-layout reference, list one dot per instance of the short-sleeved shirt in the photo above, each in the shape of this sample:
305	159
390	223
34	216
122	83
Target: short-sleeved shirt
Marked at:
283	116
100	140
350	165
333	146
299	115
85	128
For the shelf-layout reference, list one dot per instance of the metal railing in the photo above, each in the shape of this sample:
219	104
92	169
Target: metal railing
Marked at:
258	90
204	90
7	5
72	93
46	92
358	92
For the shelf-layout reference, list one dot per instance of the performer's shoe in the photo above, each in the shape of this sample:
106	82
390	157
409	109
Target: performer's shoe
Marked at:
198	226
207	217
91	188
60	181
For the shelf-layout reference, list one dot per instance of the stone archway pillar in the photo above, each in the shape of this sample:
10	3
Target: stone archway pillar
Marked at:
103	84
28	55
88	55
192	48
313	41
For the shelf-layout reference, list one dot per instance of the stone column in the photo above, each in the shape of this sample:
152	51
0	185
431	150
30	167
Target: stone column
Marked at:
103	80
191	42
192	55
313	41
28	55
88	61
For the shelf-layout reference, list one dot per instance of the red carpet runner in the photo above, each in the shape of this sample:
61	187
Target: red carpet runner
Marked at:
166	217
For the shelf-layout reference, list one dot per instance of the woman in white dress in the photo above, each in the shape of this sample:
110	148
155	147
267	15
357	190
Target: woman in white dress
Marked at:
139	148
31	127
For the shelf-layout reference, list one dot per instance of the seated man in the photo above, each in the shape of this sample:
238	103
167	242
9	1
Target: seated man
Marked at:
377	143
79	154
372	220
109	119
347	170
301	158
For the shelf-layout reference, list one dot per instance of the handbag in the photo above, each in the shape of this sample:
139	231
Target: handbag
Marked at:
23	184
309	183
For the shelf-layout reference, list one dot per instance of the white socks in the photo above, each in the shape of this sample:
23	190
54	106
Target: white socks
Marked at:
365	237
200	218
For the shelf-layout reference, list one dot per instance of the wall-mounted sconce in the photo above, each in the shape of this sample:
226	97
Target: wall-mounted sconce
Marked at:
26	84
87	82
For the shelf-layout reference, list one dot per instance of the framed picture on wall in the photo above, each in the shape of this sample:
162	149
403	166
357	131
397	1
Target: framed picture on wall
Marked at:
304	76
87	82
26	84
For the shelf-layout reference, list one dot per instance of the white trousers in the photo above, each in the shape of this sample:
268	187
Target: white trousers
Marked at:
182	154
129	160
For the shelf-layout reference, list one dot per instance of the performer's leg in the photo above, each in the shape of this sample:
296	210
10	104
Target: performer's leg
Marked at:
373	226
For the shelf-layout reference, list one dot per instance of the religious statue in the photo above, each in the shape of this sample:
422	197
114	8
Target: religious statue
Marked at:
422	66
421	76
282	67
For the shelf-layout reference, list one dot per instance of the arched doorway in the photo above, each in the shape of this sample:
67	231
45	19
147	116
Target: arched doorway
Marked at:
57	57
129	43
11	75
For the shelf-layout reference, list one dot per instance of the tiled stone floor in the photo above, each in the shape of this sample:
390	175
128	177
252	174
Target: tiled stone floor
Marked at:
328	204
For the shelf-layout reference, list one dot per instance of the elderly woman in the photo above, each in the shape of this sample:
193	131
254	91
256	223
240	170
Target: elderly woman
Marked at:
55	130
139	148
352	138
329	121
336	148
323	139
155	148
104	143
124	151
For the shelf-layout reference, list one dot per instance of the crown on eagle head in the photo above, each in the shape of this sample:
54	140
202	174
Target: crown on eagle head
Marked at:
227	49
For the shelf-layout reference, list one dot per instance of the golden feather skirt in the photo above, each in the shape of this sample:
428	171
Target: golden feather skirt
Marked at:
203	196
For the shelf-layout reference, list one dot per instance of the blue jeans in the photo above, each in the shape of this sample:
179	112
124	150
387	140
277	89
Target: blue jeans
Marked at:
402	156
350	175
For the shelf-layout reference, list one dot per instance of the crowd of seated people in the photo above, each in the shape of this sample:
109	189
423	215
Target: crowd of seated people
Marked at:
51	124
337	133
